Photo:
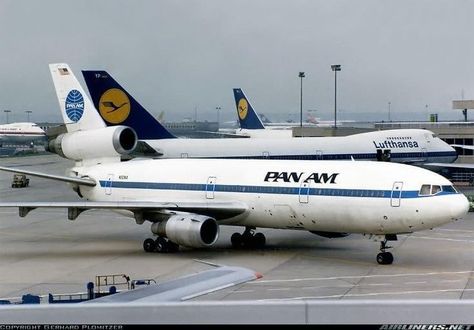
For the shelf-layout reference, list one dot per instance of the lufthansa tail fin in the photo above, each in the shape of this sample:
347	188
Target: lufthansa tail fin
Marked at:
118	107
248	118
77	109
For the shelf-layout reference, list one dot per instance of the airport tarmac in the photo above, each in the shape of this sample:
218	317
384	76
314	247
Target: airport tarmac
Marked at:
46	253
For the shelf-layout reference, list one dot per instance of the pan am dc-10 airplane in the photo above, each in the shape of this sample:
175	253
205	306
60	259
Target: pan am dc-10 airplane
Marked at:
414	146
187	200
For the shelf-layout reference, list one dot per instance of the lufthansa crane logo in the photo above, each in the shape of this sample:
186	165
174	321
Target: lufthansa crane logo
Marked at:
74	105
242	108
114	106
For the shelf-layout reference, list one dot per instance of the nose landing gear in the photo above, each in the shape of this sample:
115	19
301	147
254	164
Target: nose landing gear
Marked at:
384	257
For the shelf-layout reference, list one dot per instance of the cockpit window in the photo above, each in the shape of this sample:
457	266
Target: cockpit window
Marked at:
435	189
450	189
425	190
434	136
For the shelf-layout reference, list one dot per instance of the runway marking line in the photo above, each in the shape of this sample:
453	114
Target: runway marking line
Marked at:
445	239
360	276
370	294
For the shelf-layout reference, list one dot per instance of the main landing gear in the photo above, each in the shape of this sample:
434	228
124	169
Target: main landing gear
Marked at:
384	257
160	244
248	239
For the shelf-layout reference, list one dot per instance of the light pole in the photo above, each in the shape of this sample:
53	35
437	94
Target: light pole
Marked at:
301	75
28	115
7	112
335	68
389	103
218	110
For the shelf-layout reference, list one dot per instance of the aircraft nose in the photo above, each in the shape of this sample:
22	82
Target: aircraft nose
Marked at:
460	207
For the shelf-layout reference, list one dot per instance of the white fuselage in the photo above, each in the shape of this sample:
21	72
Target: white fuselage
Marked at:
266	133
350	197
406	146
21	133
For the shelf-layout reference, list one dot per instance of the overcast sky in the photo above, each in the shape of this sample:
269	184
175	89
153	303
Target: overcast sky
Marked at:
180	55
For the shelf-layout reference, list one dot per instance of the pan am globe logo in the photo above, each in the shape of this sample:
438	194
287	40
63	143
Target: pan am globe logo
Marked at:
74	105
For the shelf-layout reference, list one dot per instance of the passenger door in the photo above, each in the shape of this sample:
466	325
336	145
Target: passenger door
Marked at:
396	195
210	187
108	184
318	155
304	192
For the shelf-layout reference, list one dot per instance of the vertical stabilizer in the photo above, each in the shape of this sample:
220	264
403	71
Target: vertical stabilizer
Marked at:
118	107
248	118
76	108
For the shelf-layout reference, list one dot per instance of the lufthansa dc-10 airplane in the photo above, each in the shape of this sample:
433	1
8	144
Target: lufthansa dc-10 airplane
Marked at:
118	107
187	200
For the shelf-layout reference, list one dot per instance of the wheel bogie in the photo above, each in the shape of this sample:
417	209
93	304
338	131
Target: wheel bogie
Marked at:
161	245
248	240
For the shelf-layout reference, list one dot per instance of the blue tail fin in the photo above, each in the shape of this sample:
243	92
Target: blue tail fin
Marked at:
248	118
118	107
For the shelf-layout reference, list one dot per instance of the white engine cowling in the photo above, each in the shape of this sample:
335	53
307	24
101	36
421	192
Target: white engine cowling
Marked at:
105	142
192	230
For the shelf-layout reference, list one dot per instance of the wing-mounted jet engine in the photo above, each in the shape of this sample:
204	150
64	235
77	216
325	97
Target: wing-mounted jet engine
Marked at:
187	229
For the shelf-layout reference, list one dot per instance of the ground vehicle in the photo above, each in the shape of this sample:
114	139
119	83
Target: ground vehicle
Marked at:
20	181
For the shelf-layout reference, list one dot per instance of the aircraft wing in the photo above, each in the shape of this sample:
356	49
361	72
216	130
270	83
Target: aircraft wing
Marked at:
184	288
216	209
81	181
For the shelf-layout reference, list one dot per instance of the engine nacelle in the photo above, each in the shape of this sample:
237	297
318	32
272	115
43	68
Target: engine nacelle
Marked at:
105	142
329	234
192	230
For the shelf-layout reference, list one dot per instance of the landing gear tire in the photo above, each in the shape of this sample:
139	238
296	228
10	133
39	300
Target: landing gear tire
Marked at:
172	246
259	240
161	245
248	239
236	240
385	258
149	245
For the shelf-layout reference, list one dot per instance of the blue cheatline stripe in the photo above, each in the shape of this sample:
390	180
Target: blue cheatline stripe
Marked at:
432	156
373	193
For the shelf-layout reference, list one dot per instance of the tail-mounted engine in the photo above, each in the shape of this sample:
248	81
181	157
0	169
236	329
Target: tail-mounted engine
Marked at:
99	143
192	230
